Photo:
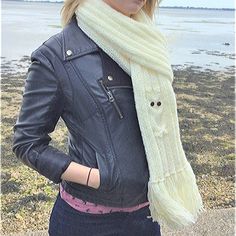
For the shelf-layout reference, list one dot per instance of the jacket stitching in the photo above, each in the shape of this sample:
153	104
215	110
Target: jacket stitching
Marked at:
108	130
108	150
49	110
68	79
85	85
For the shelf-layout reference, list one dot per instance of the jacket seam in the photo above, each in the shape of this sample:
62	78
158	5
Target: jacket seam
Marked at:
108	134
59	87
49	108
97	107
108	130
68	79
85	85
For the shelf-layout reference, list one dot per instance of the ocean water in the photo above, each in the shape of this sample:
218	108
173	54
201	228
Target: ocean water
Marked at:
195	37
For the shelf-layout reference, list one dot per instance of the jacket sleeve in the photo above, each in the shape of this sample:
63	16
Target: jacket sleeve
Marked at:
41	108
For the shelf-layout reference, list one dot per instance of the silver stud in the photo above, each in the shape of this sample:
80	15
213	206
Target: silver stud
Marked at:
110	77
69	52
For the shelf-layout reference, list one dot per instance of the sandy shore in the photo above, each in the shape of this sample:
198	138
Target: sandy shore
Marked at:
205	101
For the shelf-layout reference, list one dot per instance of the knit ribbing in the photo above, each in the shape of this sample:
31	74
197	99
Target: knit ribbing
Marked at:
140	49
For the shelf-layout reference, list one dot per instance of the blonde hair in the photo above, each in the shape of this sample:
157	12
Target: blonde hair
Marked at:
69	7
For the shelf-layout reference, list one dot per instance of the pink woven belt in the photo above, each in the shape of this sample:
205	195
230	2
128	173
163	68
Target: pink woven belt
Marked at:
93	208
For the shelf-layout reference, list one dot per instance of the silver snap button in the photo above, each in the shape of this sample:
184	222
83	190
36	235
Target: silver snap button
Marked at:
69	52
110	77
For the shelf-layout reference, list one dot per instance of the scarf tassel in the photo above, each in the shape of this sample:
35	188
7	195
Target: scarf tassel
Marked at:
171	204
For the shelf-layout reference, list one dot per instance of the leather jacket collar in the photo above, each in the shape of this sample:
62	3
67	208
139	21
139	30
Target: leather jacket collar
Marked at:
76	43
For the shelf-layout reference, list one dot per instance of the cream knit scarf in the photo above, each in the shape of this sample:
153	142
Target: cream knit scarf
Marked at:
138	46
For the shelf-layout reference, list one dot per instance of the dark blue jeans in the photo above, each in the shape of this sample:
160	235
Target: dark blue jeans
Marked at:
67	221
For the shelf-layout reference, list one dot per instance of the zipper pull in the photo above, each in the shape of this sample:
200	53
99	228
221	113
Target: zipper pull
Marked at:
110	96
111	99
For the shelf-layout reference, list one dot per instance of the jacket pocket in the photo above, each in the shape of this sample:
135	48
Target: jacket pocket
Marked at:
111	98
92	158
107	173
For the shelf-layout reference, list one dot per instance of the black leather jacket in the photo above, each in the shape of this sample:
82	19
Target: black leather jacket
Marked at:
72	78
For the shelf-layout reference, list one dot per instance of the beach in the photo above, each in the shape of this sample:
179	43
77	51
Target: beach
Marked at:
204	72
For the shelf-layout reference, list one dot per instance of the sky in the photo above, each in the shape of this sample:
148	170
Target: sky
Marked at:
199	3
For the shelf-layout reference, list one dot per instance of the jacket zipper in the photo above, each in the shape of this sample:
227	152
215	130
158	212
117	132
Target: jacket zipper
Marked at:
121	86
111	99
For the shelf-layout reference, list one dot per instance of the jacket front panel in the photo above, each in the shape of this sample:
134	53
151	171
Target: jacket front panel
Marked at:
120	125
98	109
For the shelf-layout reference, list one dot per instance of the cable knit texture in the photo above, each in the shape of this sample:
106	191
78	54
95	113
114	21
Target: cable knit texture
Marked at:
140	49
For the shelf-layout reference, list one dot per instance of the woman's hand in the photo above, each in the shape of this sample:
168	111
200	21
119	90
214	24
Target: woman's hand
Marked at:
94	178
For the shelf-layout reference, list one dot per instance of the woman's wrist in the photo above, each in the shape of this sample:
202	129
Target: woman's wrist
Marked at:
79	173
94	178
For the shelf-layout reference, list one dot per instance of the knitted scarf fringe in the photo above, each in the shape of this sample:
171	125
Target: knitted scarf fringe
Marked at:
170	202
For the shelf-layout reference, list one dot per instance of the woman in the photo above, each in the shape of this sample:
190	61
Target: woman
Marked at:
93	74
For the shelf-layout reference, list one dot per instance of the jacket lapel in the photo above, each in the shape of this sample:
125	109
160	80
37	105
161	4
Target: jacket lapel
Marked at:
75	42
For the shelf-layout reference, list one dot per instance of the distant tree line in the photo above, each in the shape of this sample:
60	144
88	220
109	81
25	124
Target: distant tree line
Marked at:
207	8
